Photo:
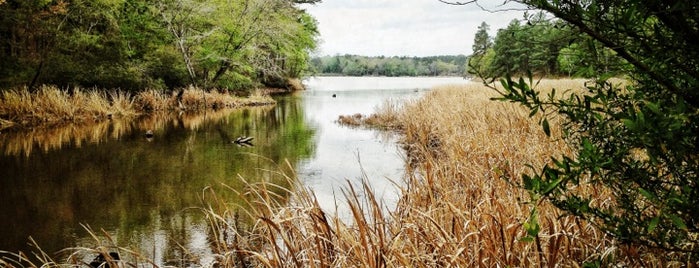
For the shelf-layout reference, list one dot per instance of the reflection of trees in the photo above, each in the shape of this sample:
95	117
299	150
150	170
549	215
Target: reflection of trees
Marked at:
111	177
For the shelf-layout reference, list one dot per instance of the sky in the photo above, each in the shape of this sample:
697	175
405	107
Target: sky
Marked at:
404	27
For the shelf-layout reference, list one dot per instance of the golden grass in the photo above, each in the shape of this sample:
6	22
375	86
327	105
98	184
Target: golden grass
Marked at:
456	210
295	84
51	105
198	99
386	117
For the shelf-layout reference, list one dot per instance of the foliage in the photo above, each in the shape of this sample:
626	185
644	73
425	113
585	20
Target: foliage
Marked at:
482	46
542	46
353	65
636	140
133	45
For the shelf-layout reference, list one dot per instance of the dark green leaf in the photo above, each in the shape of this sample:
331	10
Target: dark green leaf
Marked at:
545	125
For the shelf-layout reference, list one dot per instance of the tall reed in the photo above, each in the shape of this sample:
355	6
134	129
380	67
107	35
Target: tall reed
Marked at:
51	105
455	210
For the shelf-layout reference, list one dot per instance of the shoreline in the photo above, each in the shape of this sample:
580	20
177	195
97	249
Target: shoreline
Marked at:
462	205
49	106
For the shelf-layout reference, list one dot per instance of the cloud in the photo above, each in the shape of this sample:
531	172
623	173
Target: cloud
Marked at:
401	27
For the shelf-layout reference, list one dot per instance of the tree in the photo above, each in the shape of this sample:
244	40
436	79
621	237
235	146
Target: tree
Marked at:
639	142
133	44
28	34
511	54
482	42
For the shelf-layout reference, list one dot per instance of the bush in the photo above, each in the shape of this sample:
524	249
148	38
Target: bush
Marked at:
638	141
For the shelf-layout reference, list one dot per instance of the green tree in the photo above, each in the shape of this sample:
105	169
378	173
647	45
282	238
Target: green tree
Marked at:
482	43
510	53
28	35
133	44
639	142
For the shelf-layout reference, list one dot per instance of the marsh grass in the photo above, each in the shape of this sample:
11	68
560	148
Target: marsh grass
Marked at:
53	105
50	105
456	208
386	117
105	252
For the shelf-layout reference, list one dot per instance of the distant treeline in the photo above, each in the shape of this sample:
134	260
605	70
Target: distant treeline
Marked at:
134	44
353	65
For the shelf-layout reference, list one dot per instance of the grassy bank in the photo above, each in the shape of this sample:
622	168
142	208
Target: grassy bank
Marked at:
51	105
456	210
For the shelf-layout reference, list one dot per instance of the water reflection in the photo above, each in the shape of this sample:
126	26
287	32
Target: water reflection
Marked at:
109	176
350	155
141	191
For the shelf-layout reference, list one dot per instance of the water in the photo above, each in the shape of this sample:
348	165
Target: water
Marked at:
143	192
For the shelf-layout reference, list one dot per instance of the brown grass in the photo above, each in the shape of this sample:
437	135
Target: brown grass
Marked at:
386	117
50	105
295	84
456	210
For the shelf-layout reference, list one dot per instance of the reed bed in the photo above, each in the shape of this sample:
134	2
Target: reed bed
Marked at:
456	209
198	99
51	105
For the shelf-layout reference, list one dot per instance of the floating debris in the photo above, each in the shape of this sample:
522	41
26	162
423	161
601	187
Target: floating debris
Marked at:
103	261
243	141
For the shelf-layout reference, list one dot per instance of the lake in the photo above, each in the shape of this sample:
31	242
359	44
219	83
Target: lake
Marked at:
143	192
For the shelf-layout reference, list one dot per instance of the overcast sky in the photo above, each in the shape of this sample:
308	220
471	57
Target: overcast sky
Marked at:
402	27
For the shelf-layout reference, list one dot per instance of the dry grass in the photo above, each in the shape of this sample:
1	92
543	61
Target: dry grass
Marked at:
51	105
386	117
198	99
295	84
456	210
151	100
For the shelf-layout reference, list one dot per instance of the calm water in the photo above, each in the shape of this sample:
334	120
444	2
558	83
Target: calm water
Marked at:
143	192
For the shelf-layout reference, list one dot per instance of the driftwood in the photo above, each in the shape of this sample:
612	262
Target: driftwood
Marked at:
243	141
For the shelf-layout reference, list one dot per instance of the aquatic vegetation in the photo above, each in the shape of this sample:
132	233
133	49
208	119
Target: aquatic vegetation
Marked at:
455	208
50	105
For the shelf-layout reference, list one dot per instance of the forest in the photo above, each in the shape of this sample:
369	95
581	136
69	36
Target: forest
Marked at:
158	44
354	65
543	46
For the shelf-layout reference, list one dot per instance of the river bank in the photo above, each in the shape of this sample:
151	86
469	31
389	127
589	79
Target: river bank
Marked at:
459	202
455	209
50	105
461	205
